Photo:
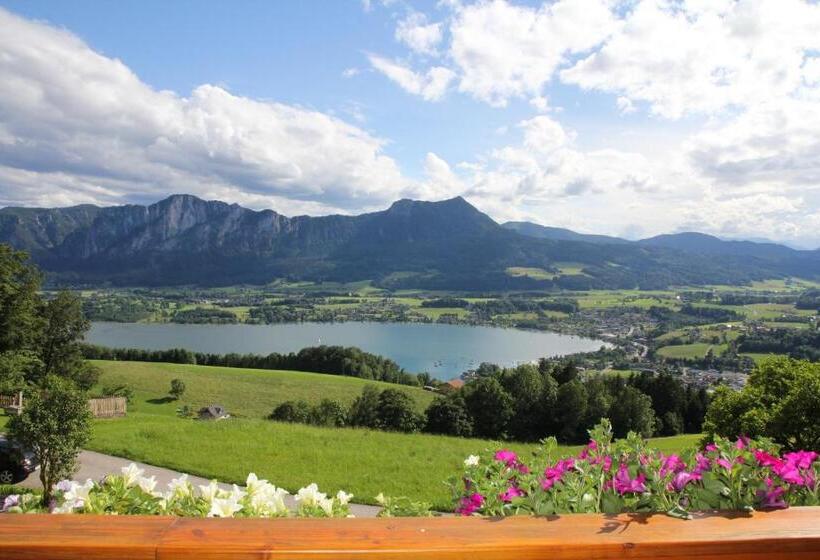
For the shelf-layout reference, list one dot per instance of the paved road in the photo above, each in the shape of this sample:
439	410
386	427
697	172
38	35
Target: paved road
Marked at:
96	465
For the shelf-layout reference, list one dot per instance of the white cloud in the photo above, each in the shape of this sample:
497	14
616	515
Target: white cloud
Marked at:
416	33
431	85
702	57
503	50
76	126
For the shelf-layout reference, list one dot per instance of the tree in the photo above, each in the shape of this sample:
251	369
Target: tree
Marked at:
20	322
177	389
448	415
54	424
781	400
397	411
292	411
632	411
63	329
328	413
570	409
525	385
490	406
364	412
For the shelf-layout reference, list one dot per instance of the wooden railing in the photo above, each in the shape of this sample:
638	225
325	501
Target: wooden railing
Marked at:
790	534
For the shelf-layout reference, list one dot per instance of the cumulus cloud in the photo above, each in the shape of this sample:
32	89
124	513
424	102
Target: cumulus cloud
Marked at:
503	50
685	57
76	126
431	85
421	36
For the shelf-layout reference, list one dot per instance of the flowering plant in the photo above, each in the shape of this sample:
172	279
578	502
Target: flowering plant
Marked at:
132	493
628	476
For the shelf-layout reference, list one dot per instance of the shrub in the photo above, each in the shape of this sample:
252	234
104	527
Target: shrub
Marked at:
396	411
328	413
449	416
177	388
292	411
118	391
364	412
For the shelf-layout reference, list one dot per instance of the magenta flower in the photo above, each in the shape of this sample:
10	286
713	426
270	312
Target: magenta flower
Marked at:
773	498
470	504
671	464
682	479
711	447
703	463
506	456
723	463
510	493
624	484
607	463
766	459
802	459
788	473
554	474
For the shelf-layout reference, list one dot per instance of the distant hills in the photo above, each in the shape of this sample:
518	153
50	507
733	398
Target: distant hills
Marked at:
413	244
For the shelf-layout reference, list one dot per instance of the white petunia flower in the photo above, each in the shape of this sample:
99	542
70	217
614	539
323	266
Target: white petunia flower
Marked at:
310	495
224	507
180	486
471	461
131	474
343	497
268	500
254	484
209	491
237	493
327	506
147	484
75	495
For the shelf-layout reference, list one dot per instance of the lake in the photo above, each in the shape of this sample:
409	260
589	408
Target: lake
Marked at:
445	351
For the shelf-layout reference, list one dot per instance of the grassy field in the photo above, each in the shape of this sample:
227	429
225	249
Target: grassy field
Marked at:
364	462
250	393
361	461
697	350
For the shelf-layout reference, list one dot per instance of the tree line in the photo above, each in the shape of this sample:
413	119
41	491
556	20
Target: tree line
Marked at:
332	360
525	403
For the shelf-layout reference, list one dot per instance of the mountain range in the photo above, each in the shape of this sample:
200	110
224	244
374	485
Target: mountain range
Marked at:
412	244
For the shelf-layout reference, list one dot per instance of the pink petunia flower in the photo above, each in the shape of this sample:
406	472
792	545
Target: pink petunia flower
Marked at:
506	456
510	493
624	484
470	504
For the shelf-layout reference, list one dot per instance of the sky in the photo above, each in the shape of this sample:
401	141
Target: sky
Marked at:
619	117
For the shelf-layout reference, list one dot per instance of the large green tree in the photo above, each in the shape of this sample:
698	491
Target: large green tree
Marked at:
55	424
490	406
781	400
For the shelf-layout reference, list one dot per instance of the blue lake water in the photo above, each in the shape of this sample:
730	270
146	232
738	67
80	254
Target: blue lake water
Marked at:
445	351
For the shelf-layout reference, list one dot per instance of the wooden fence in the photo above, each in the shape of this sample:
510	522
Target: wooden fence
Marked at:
104	407
8	400
108	407
792	534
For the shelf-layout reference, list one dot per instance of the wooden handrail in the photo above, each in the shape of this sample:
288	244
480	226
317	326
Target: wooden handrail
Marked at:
790	534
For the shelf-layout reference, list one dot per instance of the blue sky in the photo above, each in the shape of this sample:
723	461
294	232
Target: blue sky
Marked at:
617	117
